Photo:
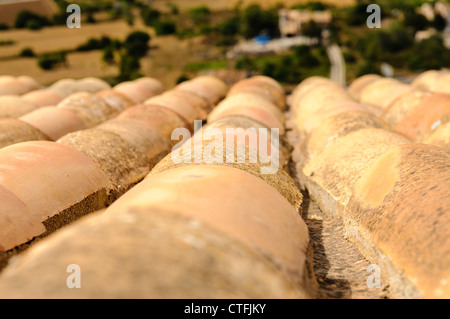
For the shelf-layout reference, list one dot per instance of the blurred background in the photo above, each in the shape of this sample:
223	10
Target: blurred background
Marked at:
175	40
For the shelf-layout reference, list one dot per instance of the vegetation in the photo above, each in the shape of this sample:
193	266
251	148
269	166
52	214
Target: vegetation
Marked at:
302	62
135	47
6	42
206	65
255	20
27	52
30	20
49	61
95	44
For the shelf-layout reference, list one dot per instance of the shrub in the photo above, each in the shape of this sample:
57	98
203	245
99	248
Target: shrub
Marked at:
48	61
108	55
6	42
31	20
129	68
416	21
256	20
182	78
150	16
429	54
439	22
136	43
200	14
165	27
246	63
27	52
95	44
229	27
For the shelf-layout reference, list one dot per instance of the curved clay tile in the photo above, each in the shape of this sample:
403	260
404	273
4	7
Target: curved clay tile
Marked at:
442	83
263	116
14	131
64	87
404	104
337	126
54	121
57	176
13	106
42	97
116	100
138	92
13	87
439	134
153	84
260	165
92	109
249	100
180	96
384	91
428	79
144	138
270	223
236	121
263	86
307	84
401	206
358	85
31	83
325	95
338	167
316	119
421	118
120	161
162	119
245	122
17	223
209	87
189	108
92	85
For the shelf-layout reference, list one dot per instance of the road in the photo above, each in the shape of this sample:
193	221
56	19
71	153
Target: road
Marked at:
337	72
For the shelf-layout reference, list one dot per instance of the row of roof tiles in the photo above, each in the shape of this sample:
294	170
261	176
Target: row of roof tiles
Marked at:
362	157
184	221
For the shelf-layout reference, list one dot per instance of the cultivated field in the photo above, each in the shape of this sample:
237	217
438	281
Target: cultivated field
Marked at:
166	60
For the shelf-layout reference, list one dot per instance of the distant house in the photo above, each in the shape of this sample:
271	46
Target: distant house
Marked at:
10	8
291	21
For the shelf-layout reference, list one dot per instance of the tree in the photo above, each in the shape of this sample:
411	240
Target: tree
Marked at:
230	26
136	44
129	68
439	22
256	20
48	61
200	14
312	29
27	52
415	21
108	55
429	54
150	16
28	19
165	27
